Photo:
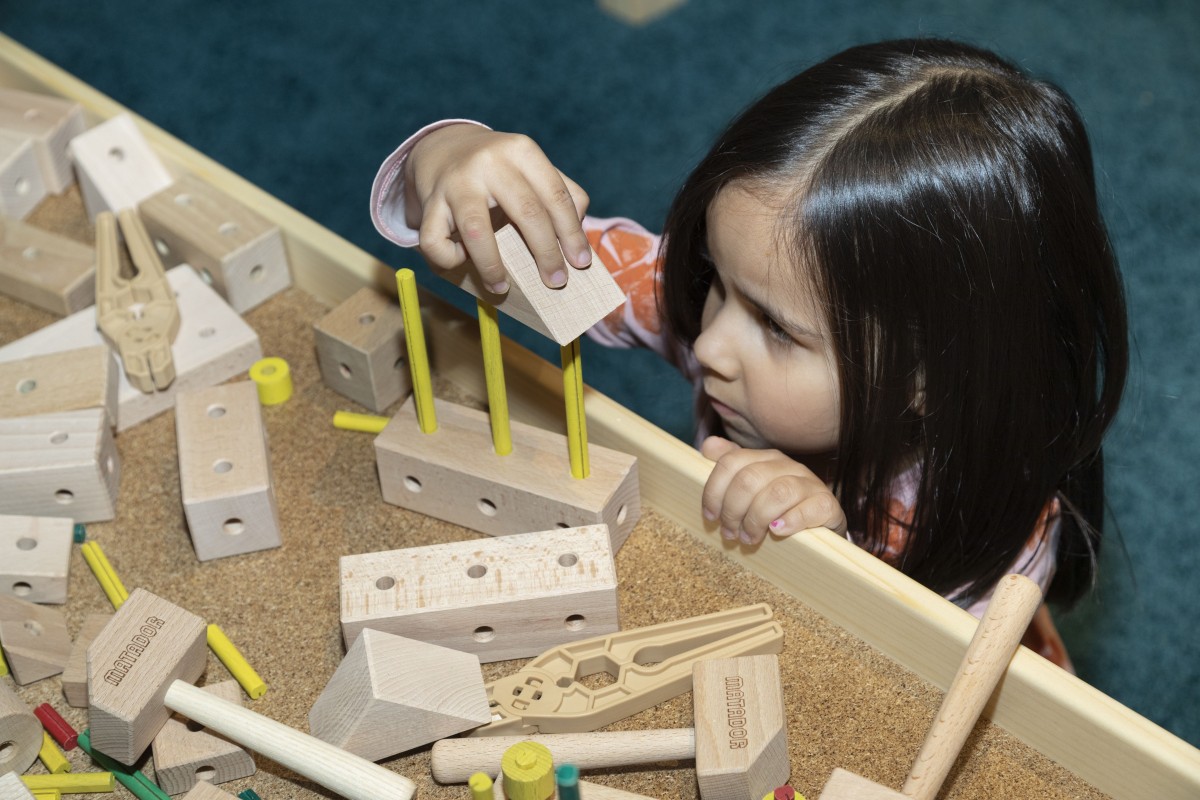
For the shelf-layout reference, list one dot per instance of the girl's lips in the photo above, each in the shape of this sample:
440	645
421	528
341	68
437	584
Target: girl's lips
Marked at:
724	411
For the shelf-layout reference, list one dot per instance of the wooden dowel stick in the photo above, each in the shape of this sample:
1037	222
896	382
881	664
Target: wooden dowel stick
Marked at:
113	588
366	423
493	373
418	356
249	679
572	367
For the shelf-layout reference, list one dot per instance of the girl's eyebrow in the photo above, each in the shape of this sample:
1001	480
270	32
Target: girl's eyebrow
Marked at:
795	328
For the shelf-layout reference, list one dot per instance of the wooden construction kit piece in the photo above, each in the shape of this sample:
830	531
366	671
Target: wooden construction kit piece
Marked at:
996	639
116	166
21	184
65	381
361	349
19	730
214	344
185	754
232	246
509	597
35	639
74	675
59	465
138	670
225	471
391	694
588	790
46	270
51	123
453	474
13	788
35	557
203	790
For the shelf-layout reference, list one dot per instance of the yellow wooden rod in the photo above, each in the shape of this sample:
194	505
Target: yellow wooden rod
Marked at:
418	356
493	373
114	590
108	569
236	663
366	423
3	664
572	367
56	763
72	783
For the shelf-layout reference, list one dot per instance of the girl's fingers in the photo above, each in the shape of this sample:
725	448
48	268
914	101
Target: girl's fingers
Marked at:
438	243
817	510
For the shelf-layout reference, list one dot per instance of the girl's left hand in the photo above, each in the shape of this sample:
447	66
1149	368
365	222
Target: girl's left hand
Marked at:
756	492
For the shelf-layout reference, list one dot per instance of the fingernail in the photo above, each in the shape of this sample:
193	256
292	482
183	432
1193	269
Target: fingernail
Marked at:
584	258
500	287
777	524
558	279
710	516
745	538
727	533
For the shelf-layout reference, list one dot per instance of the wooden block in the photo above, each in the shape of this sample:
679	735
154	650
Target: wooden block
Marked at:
59	465
74	676
510	597
13	788
233	247
204	790
21	183
214	344
69	380
35	639
741	729
453	474
361	349
20	730
225	471
186	754
845	785
35	557
51	122
45	269
149	644
561	314
116	166
391	694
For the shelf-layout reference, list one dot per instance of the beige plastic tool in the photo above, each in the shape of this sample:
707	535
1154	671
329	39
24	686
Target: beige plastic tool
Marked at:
649	665
138	316
1013	605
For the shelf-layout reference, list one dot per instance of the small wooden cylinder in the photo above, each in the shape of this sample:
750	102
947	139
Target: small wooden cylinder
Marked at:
20	733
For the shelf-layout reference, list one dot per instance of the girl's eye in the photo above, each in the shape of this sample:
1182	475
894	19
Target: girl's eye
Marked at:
776	331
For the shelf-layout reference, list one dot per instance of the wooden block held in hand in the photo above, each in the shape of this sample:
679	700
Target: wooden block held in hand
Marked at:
35	639
361	349
116	166
51	123
46	270
68	380
186	753
74	676
35	557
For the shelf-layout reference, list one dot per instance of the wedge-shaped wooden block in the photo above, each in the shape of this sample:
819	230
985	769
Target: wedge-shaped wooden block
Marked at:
186	754
149	644
845	785
454	474
510	597
206	791
35	557
561	314
391	694
74	675
225	471
214	344
21	184
35	639
59	465
51	122
361	349
65	381
46	270
233	247
116	166
741	728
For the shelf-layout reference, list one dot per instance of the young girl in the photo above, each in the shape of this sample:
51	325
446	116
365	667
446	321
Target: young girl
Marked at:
892	288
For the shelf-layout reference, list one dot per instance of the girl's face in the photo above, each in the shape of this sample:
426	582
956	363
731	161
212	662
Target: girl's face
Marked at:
769	367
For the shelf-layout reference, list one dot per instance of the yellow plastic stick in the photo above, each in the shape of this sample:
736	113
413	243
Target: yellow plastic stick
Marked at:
3	664
237	665
105	574
72	783
56	763
367	423
572	368
493	373
46	794
418	357
481	786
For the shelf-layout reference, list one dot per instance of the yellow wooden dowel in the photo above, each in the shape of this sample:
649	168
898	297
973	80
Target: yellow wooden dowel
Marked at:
113	588
493	373
56	763
72	783
572	367
366	423
418	357
236	663
3	664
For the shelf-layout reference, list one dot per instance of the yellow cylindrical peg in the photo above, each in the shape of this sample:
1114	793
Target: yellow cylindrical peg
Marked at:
56	763
572	367
418	357
273	378
528	771
3	664
113	588
481	786
46	794
366	423
254	686
493	373
72	783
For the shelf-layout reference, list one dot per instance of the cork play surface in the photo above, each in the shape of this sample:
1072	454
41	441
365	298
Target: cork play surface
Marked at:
847	705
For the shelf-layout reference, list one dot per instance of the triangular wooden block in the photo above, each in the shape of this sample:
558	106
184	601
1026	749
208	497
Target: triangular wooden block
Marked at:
35	639
391	694
206	791
74	676
186	754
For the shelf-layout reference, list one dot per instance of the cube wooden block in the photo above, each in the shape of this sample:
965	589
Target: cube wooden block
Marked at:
35	557
35	639
116	166
361	349
74	675
51	123
509	597
186	754
21	183
234	248
69	380
46	270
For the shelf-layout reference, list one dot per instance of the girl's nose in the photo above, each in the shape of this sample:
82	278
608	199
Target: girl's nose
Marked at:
715	348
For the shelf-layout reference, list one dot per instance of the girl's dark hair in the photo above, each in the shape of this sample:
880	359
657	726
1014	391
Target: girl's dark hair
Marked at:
947	205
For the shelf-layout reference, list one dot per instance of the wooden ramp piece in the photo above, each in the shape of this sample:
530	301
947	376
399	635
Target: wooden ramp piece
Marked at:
186	754
361	349
35	639
21	184
51	123
510	597
74	676
65	381
35	557
46	270
117	168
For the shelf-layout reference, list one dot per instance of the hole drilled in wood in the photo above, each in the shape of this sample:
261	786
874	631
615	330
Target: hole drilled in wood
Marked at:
399	363
568	560
8	751
366	319
22	187
216	411
622	514
206	276
487	507
484	633
229	229
193	726
234	526
258	272
385	583
575	622
58	437
64	496
31	253
21	589
206	774
162	248
412	484
345	370
26	386
33	627
207	332
26	543
477	571
183	199
116	154
222	466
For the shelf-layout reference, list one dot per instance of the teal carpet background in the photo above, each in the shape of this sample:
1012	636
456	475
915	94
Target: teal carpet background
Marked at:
305	98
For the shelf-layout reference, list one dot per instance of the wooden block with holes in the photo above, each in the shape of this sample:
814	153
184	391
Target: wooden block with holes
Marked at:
59	465
214	344
509	597
391	694
51	123
74	675
361	349
69	380
116	166
35	557
186	754
225	471
46	270
233	247
454	474
21	184
35	639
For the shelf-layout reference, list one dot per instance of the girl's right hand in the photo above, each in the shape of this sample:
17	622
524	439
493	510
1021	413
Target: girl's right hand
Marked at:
456	175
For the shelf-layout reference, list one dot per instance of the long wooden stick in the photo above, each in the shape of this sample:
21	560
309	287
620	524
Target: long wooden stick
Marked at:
572	367
418	356
493	371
